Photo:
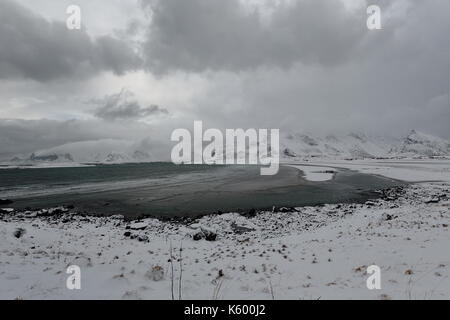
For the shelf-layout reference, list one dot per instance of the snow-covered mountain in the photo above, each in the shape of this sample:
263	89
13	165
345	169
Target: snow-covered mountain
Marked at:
98	151
361	146
292	146
420	144
351	146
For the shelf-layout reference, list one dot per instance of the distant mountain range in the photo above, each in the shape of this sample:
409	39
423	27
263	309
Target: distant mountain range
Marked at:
98	151
417	143
292	146
361	146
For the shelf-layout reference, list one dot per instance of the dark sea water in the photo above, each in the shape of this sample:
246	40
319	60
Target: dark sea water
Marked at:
168	190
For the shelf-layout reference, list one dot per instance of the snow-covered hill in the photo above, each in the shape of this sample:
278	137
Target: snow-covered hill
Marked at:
351	146
361	146
99	151
292	146
420	144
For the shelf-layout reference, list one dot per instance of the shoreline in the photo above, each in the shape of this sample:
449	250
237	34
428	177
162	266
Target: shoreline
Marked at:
60	211
232	189
290	251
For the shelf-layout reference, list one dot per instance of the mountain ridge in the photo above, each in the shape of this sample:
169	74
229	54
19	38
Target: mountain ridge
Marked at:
362	146
353	145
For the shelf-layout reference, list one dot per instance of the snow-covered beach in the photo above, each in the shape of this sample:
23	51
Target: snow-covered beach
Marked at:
317	252
224	150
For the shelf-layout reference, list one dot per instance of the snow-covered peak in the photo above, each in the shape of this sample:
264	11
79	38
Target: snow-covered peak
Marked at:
353	145
98	151
421	144
358	145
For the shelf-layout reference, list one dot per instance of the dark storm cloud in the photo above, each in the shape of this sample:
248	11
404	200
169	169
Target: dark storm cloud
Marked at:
124	106
313	66
32	47
199	35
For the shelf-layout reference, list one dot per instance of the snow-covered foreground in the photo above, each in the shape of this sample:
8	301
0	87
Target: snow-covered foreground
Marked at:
315	253
307	253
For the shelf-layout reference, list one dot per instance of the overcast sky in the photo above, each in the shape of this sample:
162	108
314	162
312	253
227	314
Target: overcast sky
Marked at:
139	68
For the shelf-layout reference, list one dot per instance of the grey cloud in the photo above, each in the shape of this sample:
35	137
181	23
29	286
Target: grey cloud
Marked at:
19	136
332	76
32	47
22	137
124	106
395	81
198	35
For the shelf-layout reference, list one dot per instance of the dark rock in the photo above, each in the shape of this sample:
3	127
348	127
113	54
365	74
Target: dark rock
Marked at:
127	234
5	201
6	211
43	213
19	232
57	211
210	236
198	236
388	217
248	214
289	153
287	210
